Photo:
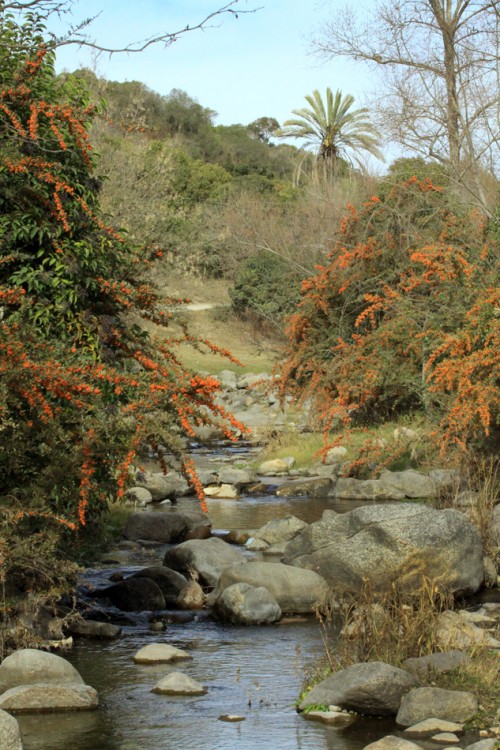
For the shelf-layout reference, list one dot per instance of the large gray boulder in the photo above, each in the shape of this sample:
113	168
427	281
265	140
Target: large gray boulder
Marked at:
295	590
29	665
412	483
316	487
243	604
207	557
10	734
430	702
348	488
168	527
280	529
393	542
371	688
46	697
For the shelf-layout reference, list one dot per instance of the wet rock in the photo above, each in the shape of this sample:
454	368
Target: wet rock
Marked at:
243	604
94	629
429	702
371	688
170	582
384	543
295	590
424	667
318	487
199	532
178	683
238	536
488	744
231	717
256	545
191	596
29	665
160	653
207	557
48	697
134	595
10	734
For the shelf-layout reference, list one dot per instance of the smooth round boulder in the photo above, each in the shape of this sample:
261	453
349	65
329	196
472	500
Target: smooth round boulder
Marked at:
160	653
10	734
429	702
380	544
392	743
371	688
243	604
280	529
29	665
48	697
191	596
296	591
178	683
208	557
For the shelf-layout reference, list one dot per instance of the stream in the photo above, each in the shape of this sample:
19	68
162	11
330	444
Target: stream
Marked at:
254	672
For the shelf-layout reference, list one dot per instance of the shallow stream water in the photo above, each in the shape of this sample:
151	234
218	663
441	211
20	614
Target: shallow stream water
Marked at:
255	672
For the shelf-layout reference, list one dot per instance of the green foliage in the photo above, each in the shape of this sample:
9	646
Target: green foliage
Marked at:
265	286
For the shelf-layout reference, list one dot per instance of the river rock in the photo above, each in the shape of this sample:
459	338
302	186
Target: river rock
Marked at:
296	591
160	653
430	727
45	697
94	629
384	543
208	557
29	665
280	529
177	683
138	496
317	487
238	477
348	488
243	604
170	582
445	738
276	467
333	718
370	688
424	667
166	527
134	595
191	596
335	455
458	630
228	491
162	486
411	483
10	734
429	702
488	744
392	743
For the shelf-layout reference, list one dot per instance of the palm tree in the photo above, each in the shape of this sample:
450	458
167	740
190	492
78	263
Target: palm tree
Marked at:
336	131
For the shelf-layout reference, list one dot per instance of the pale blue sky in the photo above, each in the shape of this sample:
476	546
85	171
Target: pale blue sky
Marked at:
255	66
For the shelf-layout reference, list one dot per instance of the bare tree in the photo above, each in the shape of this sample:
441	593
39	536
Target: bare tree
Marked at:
78	33
440	64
